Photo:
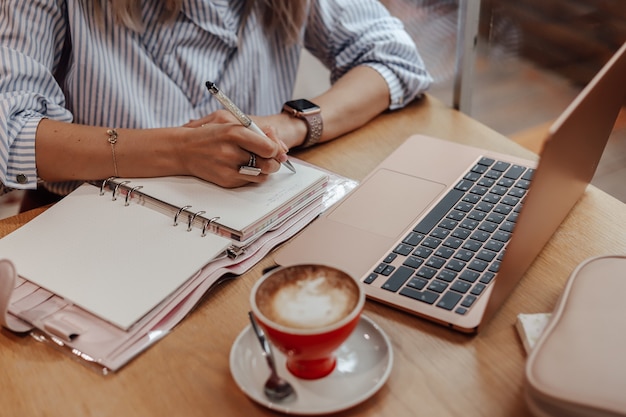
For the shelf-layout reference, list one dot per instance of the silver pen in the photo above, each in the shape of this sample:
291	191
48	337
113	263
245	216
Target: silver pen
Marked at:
241	116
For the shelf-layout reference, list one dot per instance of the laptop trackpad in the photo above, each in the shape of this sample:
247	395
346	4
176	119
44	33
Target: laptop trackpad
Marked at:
386	203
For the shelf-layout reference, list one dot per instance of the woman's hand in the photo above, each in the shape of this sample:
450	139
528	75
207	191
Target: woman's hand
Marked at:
214	147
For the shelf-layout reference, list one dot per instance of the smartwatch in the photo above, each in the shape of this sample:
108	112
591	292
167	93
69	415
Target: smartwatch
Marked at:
312	116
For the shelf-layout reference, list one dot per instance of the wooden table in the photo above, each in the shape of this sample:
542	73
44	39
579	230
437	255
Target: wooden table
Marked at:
436	372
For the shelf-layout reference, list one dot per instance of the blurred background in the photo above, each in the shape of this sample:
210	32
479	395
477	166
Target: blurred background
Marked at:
533	58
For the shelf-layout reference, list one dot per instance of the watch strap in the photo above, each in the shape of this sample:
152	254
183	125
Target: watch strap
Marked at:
315	127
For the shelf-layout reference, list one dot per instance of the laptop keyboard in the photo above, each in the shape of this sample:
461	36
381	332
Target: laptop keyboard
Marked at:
452	254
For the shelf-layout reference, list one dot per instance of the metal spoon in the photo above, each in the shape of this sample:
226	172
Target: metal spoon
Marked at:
276	388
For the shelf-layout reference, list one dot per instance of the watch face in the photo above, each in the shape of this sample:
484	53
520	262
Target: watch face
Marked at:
302	105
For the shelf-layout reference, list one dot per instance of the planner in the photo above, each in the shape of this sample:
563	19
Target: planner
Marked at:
119	250
110	269
240	214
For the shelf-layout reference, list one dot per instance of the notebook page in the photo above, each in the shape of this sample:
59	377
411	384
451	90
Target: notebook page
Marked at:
237	208
115	261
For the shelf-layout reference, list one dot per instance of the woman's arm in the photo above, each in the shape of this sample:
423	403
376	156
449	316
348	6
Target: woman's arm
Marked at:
214	152
352	101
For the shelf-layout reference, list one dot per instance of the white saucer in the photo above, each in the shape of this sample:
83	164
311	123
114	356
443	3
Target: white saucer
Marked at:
364	363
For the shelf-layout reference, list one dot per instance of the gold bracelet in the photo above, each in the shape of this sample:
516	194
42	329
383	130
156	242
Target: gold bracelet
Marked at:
113	140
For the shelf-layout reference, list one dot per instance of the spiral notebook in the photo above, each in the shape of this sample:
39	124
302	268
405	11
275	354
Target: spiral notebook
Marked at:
119	250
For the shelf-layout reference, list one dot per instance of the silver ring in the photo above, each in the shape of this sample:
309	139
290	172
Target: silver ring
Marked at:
250	169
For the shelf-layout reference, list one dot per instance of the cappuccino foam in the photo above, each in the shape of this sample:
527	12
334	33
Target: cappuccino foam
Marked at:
307	298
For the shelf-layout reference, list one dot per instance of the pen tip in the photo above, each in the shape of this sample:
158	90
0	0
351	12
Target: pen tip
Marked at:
211	86
290	166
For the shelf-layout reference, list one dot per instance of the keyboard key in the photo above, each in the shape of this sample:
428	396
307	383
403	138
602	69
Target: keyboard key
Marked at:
464	207
506	182
413	262
455	215
523	184
461	233
435	262
528	175
515	172
440	233
438	212
507	226
471	198
469	276
438	286
422	252
477	215
495	218
480	168
486	161
486	182
491	198
477	265
417	283
389	259
446	275
403	249
472	176
444	252
494	245
480	236
494	267
468	301
509	200
453	242
431	242
449	300
501	236
455	265
479	190
472	245
499	190
500	166
461	286
448	224
502	209
464	185
413	239
488	227
426	272
478	289
486	255
469	224
370	278
487	277
398	278
464	255
493	174
517	192
484	206
428	297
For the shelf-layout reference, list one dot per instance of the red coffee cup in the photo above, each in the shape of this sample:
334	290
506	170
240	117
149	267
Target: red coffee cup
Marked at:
307	312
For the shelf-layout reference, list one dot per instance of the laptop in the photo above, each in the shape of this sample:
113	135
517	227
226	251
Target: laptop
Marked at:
445	231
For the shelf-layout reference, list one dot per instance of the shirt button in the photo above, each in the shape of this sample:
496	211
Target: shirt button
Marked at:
21	178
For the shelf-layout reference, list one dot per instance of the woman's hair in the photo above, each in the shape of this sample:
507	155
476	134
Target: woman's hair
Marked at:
283	18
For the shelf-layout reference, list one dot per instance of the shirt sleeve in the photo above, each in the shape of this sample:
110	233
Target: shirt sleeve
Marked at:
32	36
344	34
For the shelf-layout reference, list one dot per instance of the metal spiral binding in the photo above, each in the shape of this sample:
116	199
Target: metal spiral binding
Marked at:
130	193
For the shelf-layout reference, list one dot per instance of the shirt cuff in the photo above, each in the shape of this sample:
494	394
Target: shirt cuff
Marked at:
22	166
396	91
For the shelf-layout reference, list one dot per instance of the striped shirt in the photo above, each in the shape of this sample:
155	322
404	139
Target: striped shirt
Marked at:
57	61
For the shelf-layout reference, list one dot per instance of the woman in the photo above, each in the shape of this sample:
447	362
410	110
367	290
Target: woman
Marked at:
91	89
